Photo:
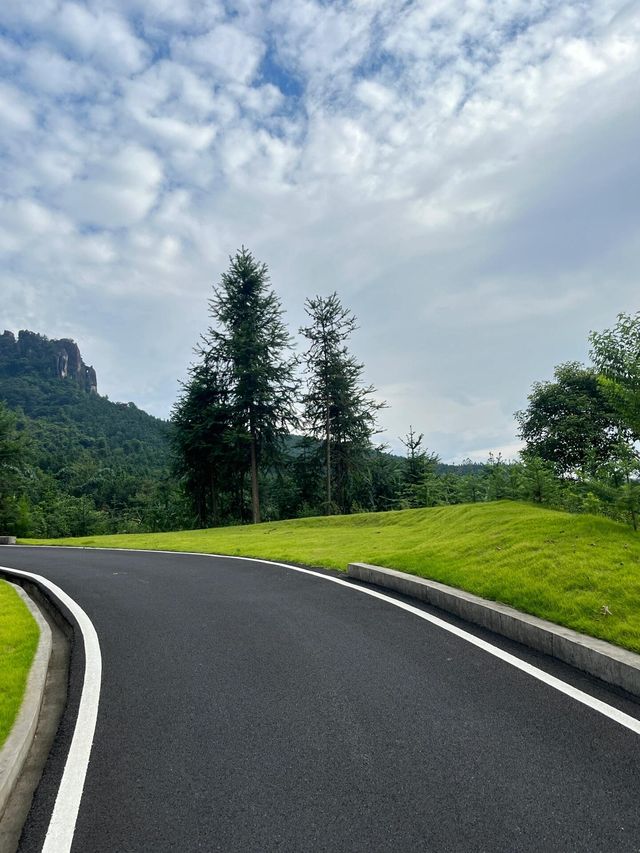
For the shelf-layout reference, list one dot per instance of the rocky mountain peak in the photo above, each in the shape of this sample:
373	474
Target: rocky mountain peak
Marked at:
31	352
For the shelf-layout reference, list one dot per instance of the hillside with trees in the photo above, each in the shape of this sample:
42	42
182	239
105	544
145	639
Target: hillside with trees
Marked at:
73	460
262	432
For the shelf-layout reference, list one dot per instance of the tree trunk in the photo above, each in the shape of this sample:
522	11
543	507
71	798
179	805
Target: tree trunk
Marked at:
240	497
328	443
255	495
215	503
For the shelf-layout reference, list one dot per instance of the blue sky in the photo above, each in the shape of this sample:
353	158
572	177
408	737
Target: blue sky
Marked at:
464	174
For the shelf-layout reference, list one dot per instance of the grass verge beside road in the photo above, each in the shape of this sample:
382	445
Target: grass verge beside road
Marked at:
19	635
580	571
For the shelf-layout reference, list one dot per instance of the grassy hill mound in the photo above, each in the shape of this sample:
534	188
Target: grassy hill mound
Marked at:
561	567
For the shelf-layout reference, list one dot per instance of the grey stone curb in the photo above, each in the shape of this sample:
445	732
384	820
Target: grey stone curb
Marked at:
16	747
608	662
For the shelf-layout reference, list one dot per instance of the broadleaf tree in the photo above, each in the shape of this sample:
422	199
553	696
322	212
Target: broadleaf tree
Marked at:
569	421
616	356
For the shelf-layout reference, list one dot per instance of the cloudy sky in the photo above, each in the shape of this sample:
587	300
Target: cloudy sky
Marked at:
465	174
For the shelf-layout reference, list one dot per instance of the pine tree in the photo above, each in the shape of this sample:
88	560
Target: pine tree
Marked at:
338	408
207	456
415	465
250	338
422	485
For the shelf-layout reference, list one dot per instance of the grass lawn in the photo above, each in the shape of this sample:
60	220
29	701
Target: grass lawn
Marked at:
560	567
19	635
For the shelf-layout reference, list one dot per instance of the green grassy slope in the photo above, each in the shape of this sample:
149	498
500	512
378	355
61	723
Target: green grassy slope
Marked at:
18	643
558	566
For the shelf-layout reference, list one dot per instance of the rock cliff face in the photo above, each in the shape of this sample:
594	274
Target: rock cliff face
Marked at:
34	353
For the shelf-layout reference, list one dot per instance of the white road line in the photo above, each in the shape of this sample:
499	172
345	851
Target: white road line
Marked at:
609	711
603	708
65	812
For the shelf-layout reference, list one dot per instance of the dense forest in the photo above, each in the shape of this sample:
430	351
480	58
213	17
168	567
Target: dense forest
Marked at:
80	463
262	433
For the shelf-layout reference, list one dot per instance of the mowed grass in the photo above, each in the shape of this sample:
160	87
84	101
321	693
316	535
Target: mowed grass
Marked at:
561	567
19	635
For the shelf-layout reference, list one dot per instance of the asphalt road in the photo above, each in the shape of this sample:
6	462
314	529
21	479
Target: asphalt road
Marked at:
247	707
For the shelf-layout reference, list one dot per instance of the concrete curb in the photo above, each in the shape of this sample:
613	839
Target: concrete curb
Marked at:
608	662
16	748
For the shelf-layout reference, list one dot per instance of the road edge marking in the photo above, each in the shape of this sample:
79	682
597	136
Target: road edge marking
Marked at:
575	693
62	822
612	664
552	681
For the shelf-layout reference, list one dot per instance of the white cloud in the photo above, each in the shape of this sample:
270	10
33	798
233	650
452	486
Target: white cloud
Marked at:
50	72
25	221
165	15
374	95
260	100
101	37
172	109
21	14
115	191
462	173
322	40
479	425
16	113
231	54
170	88
490	303
9	52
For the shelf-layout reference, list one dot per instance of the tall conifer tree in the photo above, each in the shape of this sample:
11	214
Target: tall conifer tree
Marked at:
206	456
250	337
338	408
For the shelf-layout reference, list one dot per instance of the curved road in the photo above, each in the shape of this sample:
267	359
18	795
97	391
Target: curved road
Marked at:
248	707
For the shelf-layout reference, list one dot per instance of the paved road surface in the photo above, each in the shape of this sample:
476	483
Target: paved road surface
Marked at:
247	707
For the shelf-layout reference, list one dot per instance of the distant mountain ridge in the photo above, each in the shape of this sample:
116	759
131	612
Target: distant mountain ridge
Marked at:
32	353
94	464
48	382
